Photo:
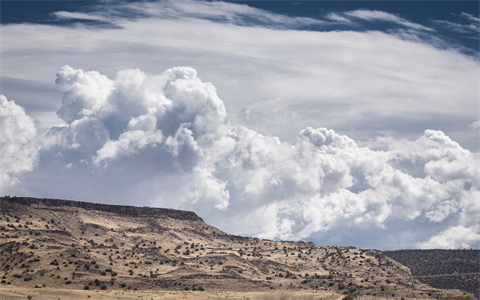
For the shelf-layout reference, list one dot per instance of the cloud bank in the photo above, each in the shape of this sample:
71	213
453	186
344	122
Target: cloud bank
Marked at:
275	76
17	146
166	140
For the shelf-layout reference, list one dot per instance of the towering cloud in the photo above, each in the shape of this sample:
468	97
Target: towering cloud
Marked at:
17	145
166	140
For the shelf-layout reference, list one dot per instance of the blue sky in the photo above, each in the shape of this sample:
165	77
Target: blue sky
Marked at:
341	122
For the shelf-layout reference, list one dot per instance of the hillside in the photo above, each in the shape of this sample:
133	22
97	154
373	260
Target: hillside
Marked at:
448	269
69	245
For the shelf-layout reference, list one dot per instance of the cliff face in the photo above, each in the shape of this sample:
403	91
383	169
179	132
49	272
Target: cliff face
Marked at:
6	202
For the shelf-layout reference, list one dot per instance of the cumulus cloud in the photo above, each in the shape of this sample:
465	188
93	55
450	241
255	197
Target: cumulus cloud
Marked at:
453	238
17	143
323	184
474	125
136	136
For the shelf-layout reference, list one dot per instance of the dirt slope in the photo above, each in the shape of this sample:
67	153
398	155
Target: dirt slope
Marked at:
60	245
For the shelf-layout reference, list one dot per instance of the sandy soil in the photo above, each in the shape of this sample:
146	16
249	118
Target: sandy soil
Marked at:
14	293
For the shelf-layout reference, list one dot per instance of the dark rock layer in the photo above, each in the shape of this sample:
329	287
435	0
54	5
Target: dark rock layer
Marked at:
134	211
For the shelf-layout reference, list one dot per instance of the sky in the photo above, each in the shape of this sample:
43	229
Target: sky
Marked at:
348	123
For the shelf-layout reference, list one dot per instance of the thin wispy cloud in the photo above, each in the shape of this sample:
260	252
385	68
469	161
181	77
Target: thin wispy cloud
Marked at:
470	17
216	11
472	28
78	16
376	15
337	18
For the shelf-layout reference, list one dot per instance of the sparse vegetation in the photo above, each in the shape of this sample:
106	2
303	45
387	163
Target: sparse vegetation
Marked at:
147	252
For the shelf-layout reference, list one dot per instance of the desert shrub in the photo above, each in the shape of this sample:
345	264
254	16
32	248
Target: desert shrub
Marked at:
86	287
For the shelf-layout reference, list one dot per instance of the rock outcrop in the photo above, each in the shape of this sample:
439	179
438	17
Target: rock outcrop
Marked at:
133	211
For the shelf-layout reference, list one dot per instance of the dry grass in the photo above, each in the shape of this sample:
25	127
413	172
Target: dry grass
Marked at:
64	249
284	295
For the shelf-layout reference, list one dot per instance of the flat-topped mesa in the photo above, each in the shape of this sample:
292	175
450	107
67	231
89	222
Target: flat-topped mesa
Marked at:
134	211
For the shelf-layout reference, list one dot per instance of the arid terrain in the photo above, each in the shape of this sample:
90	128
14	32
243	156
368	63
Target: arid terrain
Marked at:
59	249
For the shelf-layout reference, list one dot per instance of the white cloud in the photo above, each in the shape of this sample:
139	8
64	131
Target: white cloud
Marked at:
166	139
78	16
17	143
454	238
470	17
337	18
323	184
238	14
375	15
286	79
470	28
128	143
474	125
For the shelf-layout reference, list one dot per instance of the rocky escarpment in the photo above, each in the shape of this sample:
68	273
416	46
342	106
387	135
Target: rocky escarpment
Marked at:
132	211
